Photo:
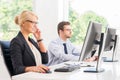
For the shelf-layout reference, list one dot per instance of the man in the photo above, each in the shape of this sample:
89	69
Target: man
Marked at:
61	49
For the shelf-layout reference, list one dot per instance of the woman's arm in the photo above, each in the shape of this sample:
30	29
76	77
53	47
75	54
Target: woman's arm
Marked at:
42	47
40	68
16	56
39	39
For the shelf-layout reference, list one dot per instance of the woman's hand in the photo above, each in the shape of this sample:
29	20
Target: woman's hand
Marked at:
37	33
40	68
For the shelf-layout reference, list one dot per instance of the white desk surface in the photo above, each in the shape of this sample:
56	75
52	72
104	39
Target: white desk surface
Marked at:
112	72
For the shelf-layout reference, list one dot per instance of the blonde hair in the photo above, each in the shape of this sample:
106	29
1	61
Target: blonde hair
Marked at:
25	15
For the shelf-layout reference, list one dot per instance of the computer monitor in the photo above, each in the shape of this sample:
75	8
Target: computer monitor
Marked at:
98	68
111	44
115	49
91	40
94	42
110	39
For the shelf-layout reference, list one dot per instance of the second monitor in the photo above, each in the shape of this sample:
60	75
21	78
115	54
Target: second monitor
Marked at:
111	44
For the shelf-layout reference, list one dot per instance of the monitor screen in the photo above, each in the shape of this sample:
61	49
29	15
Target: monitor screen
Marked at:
91	39
110	39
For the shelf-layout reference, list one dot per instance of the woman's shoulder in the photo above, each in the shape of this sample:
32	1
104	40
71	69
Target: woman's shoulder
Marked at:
17	40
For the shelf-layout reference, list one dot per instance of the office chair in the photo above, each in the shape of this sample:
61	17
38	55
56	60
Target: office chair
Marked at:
5	45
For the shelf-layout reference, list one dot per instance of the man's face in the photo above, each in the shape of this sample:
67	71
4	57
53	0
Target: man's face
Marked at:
67	31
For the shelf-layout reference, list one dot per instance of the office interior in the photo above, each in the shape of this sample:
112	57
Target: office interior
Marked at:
50	13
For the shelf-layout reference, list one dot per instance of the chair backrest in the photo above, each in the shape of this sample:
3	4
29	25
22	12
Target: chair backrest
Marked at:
4	73
5	45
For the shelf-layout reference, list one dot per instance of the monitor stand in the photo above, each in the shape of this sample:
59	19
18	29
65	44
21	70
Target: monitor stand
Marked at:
94	70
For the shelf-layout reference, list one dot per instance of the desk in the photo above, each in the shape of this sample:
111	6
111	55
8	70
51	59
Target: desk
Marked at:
112	72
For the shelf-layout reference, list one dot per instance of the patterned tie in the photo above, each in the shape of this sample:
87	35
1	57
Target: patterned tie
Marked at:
65	48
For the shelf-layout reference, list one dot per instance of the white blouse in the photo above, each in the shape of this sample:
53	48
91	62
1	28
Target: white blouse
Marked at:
37	55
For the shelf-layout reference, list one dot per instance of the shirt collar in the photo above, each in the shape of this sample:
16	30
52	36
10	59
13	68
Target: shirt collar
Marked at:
63	41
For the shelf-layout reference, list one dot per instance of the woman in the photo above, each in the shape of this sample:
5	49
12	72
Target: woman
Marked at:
26	54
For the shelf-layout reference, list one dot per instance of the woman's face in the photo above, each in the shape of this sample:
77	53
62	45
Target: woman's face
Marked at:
30	26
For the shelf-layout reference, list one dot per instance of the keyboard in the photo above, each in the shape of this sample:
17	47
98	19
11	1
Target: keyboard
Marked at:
82	64
67	68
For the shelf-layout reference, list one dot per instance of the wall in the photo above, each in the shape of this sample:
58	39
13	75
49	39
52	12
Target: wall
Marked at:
50	13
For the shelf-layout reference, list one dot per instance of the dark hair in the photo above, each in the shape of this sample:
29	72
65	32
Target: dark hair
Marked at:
61	25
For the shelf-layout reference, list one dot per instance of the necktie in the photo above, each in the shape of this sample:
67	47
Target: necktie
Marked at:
65	48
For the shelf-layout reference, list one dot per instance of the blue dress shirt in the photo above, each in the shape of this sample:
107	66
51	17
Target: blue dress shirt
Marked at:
57	54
